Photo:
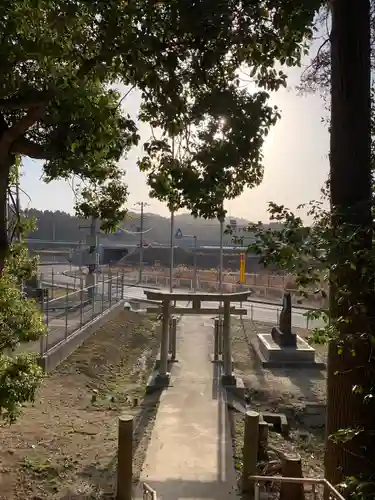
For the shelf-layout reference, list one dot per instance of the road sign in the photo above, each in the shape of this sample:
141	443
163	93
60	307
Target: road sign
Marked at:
242	268
178	234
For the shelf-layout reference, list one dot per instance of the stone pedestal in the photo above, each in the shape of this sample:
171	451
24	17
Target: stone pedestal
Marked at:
284	339
272	354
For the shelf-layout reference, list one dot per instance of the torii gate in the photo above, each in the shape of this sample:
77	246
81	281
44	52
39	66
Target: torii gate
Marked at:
166	298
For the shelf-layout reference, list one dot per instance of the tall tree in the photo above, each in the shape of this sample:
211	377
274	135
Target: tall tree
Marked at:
341	240
351	207
59	62
316	76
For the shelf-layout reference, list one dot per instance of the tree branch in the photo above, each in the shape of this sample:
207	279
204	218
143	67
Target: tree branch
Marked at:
28	148
19	102
19	128
315	63
22	126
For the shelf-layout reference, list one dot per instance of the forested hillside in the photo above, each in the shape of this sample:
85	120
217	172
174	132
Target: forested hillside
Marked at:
61	226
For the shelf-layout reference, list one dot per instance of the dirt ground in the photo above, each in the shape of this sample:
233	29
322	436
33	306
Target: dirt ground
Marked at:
298	393
64	445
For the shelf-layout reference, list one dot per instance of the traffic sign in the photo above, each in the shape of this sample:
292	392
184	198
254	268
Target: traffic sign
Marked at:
242	268
178	234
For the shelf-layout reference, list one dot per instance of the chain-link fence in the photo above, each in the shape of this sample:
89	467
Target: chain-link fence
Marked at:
69	307
71	310
260	292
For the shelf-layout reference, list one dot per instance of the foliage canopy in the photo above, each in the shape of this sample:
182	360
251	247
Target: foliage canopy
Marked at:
60	62
56	103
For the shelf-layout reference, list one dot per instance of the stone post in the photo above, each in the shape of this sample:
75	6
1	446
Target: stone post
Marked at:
216	340
164	347
250	451
170	340
227	378
220	336
125	458
174	339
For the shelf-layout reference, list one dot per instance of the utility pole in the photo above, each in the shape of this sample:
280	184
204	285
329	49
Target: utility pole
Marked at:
93	257
93	246
195	239
221	255
142	204
171	264
172	254
18	218
18	210
141	246
195	264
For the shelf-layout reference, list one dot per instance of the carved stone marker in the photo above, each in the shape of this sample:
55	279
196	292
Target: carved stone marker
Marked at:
282	347
282	334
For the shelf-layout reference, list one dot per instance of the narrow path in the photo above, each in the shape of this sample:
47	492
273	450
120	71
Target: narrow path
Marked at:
190	452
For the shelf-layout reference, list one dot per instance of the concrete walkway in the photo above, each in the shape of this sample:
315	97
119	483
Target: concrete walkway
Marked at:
190	452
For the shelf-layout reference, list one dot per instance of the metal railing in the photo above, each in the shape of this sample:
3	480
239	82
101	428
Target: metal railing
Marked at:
71	310
332	491
148	492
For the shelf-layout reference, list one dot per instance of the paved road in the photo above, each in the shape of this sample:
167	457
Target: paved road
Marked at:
54	274
257	311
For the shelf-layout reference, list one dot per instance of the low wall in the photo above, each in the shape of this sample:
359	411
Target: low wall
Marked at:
52	358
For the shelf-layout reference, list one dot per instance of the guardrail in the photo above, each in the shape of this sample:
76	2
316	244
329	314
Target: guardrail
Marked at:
332	491
150	494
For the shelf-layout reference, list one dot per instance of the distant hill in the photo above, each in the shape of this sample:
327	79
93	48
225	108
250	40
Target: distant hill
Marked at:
60	226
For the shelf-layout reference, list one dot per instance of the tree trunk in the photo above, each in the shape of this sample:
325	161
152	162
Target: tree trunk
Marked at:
351	200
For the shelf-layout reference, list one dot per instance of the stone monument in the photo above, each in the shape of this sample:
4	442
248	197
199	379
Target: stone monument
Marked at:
282	334
282	347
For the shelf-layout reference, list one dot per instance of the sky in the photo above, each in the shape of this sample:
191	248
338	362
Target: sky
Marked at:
295	162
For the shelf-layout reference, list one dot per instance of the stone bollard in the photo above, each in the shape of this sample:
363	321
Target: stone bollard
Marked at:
164	345
216	340
250	451
221	346
173	338
292	467
125	458
170	335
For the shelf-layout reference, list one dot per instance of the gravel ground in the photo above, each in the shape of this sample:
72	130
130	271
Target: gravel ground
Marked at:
64	445
298	393
282	385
